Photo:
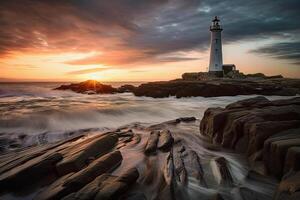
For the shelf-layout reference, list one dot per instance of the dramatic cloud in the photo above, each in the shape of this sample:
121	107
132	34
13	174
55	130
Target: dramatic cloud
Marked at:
284	50
123	32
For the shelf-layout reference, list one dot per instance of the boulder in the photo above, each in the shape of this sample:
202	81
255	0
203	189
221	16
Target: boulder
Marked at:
151	145
165	140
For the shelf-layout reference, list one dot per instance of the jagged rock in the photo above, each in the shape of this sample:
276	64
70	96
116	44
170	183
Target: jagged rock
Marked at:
152	142
165	140
75	158
222	172
174	170
196	167
106	187
75	181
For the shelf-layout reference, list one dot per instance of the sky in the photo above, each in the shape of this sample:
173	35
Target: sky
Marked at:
144	40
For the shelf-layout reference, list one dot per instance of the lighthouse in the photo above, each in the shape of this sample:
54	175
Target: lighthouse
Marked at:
216	59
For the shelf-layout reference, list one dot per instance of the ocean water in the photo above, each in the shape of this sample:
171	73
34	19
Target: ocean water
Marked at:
34	110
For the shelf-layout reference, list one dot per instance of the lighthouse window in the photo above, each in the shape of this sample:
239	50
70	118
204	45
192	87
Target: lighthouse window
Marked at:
216	65
216	49
216	40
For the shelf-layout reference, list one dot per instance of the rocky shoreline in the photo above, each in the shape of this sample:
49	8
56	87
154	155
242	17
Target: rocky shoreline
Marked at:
192	88
268	132
170	160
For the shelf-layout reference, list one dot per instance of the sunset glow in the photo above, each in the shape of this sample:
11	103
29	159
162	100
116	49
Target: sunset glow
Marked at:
74	42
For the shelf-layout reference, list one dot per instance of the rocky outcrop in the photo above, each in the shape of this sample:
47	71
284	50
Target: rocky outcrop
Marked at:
211	87
67	167
266	131
219	87
152	142
89	87
165	140
159	139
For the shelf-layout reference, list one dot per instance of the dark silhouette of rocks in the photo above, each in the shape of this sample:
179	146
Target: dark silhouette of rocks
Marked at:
219	87
89	87
213	87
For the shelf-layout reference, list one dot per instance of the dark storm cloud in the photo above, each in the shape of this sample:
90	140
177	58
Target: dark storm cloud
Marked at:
284	50
152	29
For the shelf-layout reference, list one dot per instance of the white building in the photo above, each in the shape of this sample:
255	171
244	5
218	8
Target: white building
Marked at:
216	59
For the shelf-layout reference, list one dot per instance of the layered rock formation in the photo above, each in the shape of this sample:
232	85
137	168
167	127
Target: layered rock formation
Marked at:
268	132
67	167
169	160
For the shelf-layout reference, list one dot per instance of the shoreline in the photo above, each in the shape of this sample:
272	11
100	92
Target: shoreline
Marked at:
149	155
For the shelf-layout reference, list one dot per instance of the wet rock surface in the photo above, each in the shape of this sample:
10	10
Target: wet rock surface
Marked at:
169	160
268	132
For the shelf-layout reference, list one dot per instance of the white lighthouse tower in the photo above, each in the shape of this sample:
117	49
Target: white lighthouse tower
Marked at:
216	59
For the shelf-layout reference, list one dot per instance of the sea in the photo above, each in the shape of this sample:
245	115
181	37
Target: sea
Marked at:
37	113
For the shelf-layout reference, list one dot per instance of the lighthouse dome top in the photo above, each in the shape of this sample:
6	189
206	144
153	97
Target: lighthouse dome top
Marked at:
215	25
